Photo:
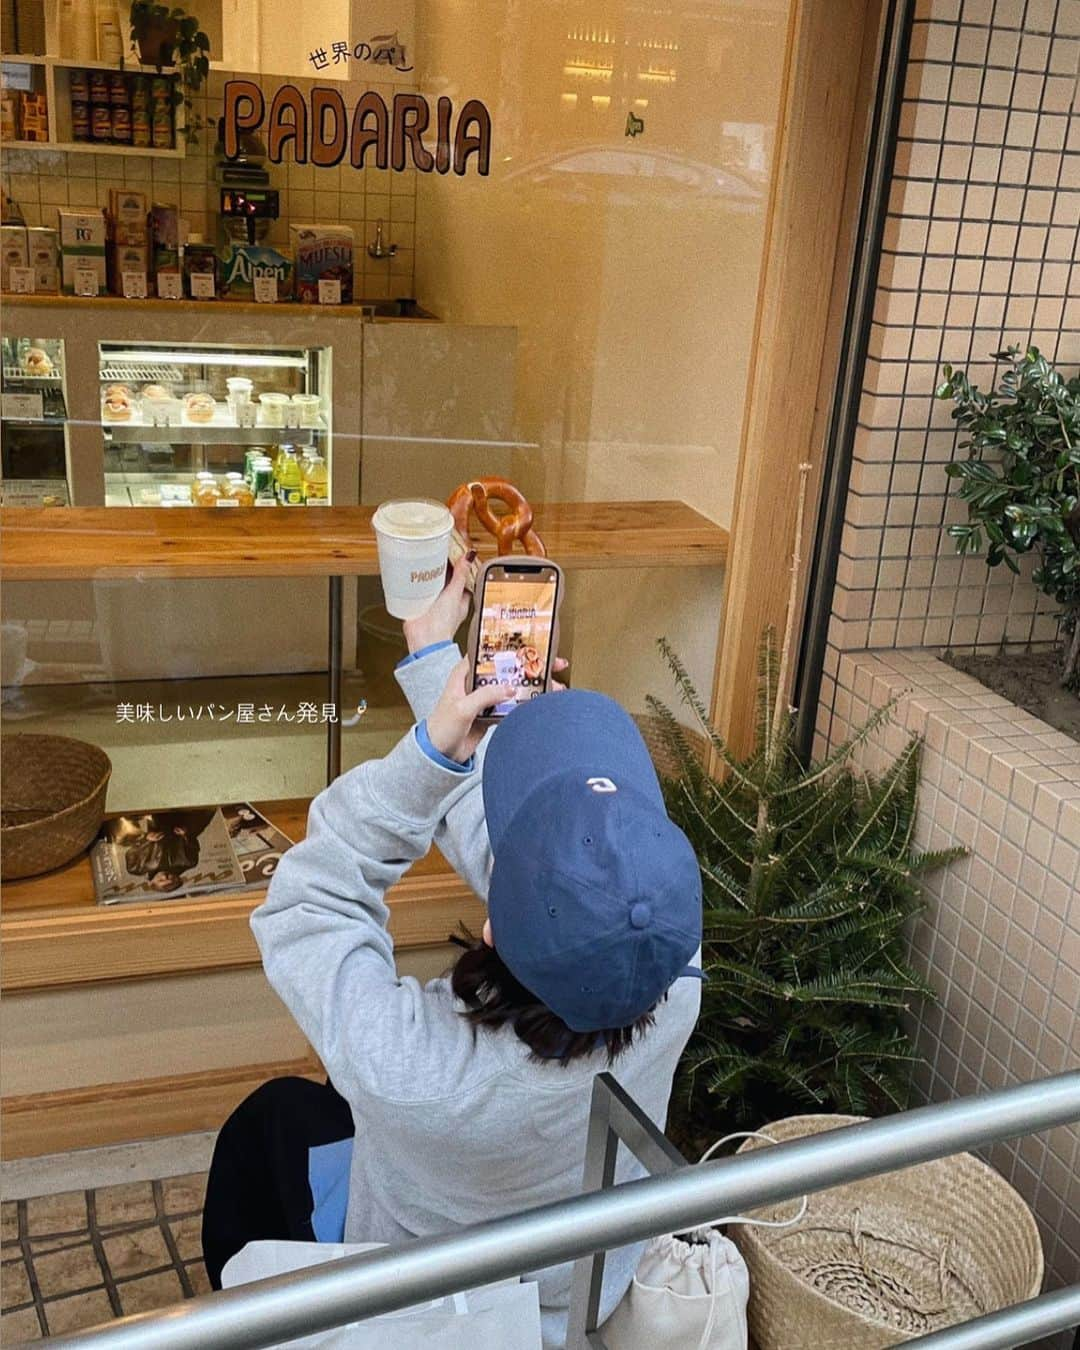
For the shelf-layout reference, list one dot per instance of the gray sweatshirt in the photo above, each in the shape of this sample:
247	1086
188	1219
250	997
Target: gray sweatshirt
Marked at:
454	1126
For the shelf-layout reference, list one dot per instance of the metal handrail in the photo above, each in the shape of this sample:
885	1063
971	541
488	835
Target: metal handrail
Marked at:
1004	1330
356	1287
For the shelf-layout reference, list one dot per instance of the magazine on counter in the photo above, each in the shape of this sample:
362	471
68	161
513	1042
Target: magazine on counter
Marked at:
189	851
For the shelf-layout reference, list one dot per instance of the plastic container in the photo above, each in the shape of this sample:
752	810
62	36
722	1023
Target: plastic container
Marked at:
273	409
309	407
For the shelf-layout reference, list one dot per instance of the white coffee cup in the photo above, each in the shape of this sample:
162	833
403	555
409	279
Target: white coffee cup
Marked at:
413	537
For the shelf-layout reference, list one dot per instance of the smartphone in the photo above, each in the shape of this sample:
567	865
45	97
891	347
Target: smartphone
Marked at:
514	635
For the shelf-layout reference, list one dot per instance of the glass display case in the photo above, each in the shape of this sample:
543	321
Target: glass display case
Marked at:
33	443
201	425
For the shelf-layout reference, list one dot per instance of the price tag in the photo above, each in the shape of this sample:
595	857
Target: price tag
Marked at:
168	286
266	290
226	501
329	292
22	281
133	285
202	285
23	407
86	281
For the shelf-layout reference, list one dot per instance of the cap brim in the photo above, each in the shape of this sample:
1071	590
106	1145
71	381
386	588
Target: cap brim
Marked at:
558	732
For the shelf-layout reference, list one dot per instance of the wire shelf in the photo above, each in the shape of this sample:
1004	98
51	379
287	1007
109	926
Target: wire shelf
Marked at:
17	373
143	373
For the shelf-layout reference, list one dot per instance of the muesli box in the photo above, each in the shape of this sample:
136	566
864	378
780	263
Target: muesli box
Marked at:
322	253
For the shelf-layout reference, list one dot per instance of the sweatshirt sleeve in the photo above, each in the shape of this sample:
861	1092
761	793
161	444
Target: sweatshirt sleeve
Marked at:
461	834
322	928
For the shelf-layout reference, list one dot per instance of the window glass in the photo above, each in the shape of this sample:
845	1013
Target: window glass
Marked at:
381	251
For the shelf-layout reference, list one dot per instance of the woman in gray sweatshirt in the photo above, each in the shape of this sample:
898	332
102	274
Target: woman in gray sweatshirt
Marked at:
468	1097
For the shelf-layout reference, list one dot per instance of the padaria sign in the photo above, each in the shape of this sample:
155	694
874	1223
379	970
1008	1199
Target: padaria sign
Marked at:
320	130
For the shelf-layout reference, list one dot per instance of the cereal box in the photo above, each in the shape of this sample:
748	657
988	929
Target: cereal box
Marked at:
33	117
12	252
127	210
43	255
322	253
242	263
165	238
126	258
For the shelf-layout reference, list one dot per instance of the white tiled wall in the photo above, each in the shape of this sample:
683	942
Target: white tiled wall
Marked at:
980	250
1000	941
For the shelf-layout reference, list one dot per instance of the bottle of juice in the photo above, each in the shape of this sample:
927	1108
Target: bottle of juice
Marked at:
207	492
278	457
290	480
316	481
238	490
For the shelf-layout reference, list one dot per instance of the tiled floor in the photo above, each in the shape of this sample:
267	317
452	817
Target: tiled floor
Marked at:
82	1257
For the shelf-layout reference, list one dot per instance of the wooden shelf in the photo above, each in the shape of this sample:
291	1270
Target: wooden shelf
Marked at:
56	90
204	307
54	934
69	63
90	148
81	543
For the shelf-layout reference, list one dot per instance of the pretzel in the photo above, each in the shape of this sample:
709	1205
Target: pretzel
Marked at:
515	524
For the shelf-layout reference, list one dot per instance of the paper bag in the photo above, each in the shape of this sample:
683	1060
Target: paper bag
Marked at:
502	1316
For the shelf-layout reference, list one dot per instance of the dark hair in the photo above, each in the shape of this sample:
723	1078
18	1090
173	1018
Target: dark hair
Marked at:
494	997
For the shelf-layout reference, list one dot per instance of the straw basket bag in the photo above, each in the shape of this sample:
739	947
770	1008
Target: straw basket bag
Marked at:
652	733
882	1261
52	801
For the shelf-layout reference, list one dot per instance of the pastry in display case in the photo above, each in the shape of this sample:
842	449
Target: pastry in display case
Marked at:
215	426
33	446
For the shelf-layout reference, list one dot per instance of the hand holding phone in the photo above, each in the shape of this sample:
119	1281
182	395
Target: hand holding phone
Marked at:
452	725
515	631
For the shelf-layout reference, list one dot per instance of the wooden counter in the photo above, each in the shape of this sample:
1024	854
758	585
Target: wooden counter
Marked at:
79	543
54	934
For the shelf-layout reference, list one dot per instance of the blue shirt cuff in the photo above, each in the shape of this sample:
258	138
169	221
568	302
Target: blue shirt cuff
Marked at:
443	761
424	651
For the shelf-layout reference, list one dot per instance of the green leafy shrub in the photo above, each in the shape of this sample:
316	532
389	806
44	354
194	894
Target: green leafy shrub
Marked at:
167	36
1021	478
809	877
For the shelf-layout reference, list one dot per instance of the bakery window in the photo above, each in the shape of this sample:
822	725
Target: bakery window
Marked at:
214	426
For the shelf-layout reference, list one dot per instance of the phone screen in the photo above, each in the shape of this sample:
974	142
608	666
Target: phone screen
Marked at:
514	643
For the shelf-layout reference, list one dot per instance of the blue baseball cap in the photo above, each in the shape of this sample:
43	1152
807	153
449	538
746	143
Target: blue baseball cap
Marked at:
595	895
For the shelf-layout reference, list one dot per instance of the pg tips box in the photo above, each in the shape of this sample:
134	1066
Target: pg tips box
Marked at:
82	246
322	253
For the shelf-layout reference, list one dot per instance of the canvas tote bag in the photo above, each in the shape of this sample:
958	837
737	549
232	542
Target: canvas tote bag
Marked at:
500	1316
689	1293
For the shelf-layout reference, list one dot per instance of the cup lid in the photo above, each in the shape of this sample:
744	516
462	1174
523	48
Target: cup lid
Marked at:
413	518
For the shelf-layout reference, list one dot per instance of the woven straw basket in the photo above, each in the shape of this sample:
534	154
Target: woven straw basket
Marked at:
652	733
52	801
882	1261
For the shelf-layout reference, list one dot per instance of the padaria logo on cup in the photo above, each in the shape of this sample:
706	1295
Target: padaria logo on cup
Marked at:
429	575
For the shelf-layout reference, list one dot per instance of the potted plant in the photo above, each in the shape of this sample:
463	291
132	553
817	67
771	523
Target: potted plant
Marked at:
810	877
165	36
1021	479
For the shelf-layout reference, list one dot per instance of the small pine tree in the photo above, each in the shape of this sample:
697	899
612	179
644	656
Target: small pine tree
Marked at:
809	877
